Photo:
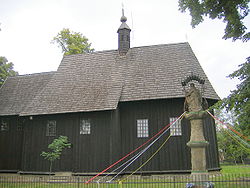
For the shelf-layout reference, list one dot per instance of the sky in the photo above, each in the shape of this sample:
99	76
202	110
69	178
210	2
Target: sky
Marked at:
28	26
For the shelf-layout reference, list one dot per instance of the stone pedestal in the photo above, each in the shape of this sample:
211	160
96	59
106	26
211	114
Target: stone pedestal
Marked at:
198	157
198	146
197	141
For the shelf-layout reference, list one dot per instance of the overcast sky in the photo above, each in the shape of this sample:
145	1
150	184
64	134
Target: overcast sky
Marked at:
28	27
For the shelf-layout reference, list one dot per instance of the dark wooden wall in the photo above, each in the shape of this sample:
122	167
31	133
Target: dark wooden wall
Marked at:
11	144
212	149
113	135
175	155
89	153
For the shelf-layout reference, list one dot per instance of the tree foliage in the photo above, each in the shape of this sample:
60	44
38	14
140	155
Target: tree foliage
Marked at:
72	42
56	148
232	12
230	148
239	100
6	69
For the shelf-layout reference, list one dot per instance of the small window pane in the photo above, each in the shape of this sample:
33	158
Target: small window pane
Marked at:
175	128
51	128
85	126
142	128
4	126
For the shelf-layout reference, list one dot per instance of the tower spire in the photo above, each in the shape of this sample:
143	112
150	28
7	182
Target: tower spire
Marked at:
123	35
122	9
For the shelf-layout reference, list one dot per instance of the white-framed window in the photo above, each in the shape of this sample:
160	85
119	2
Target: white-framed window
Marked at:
175	128
4	126
51	128
142	128
85	126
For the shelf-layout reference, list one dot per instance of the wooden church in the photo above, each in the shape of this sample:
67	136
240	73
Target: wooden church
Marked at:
107	103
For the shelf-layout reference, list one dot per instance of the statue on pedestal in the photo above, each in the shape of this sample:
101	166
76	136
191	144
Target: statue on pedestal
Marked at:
194	107
193	100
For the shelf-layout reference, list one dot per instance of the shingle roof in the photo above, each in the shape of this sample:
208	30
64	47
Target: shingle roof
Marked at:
99	80
18	91
86	82
156	72
123	26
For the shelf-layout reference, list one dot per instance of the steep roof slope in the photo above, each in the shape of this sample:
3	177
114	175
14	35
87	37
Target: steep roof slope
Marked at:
99	80
156	72
18	91
83	82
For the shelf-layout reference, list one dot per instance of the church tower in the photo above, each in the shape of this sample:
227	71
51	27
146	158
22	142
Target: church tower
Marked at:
123	36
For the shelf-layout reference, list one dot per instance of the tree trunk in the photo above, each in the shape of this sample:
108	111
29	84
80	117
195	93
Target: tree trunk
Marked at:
50	167
235	161
242	161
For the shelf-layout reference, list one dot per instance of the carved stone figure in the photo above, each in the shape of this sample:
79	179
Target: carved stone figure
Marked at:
193	100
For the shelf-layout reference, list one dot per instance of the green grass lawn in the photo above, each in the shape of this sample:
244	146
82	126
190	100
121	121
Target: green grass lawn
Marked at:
235	169
228	173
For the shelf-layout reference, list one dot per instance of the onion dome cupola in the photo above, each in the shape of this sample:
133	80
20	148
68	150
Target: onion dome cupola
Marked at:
123	36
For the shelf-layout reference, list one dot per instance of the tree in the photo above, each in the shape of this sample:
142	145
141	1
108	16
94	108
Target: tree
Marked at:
230	148
6	69
72	42
239	99
232	12
238	104
56	148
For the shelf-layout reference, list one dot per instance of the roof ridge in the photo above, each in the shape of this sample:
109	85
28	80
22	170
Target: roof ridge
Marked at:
113	50
32	74
155	45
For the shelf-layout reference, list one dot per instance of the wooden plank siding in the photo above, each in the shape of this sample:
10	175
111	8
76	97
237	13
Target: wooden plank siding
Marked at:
175	155
89	153
113	135
11	144
212	149
94	149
